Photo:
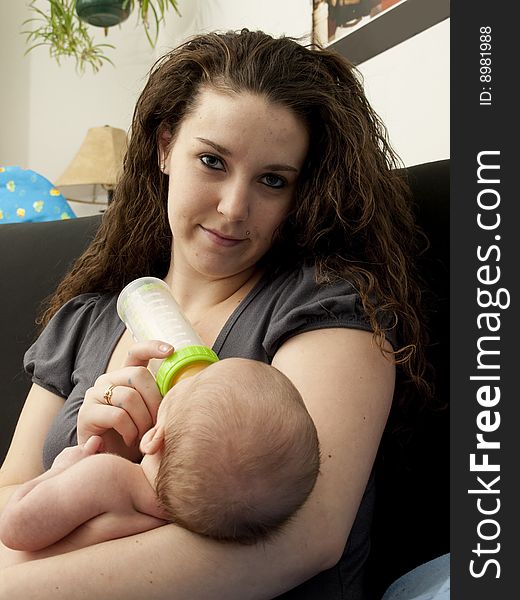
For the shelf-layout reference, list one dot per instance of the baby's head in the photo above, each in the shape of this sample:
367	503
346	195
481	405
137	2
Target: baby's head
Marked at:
241	452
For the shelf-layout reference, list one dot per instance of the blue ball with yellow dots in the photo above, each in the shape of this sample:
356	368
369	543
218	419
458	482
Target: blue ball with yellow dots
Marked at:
28	196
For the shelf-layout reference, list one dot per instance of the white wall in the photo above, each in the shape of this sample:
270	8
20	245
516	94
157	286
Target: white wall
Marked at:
46	109
14	87
64	104
277	17
409	87
49	107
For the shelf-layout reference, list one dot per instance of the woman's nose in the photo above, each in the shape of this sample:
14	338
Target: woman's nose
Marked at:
234	201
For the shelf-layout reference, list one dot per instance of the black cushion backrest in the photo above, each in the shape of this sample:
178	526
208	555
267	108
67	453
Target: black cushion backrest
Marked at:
411	524
33	259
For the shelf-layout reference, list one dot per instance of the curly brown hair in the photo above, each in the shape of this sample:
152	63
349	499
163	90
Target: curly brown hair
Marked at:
352	216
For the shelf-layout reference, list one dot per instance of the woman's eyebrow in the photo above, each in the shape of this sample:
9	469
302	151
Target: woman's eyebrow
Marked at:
281	167
215	146
225	152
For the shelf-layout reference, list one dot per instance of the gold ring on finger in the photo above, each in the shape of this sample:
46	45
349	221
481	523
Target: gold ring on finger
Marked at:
107	396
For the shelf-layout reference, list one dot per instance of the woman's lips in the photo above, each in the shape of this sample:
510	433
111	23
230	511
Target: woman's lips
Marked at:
221	239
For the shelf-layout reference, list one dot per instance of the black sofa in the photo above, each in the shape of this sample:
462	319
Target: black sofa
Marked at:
412	513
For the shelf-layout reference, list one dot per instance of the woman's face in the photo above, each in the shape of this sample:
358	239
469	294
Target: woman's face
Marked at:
233	169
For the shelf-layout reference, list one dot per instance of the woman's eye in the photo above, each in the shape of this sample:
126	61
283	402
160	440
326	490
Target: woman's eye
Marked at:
273	181
212	161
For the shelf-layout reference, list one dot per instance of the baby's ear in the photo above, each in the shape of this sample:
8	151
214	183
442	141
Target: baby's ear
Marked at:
153	440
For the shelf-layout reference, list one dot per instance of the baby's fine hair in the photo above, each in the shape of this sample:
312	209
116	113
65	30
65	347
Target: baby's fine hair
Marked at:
241	456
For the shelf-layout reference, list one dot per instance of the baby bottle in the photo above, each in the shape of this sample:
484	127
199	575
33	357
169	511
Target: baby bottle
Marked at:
150	312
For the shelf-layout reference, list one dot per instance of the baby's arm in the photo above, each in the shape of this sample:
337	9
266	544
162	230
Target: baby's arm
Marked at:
102	488
14	529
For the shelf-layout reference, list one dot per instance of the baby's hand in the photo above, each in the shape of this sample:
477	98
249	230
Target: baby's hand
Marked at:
74	454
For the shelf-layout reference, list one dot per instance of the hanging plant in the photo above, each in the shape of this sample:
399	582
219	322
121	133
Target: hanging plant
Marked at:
64	26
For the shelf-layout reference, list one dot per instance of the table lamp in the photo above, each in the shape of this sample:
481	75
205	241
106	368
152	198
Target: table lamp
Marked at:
98	162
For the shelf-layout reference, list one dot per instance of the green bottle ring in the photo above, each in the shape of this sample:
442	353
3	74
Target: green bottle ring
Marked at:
179	360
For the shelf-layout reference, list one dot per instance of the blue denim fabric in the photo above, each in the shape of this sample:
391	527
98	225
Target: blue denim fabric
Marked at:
430	581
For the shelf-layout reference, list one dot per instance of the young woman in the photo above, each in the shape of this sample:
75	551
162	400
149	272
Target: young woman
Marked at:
259	185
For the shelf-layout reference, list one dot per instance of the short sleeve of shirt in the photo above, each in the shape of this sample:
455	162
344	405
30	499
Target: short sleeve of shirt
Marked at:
50	361
303	305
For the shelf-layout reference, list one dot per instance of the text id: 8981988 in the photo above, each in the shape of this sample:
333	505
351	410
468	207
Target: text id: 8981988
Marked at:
485	66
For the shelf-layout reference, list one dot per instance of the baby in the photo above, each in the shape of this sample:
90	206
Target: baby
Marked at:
234	453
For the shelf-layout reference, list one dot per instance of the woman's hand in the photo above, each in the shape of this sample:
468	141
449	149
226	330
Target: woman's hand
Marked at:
124	401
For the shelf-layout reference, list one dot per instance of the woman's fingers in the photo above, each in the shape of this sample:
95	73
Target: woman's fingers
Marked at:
125	400
140	403
141	352
103	418
134	389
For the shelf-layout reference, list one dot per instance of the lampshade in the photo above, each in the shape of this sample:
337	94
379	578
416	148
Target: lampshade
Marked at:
98	161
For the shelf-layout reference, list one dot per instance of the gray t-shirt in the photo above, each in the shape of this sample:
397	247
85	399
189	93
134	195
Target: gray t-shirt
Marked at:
75	347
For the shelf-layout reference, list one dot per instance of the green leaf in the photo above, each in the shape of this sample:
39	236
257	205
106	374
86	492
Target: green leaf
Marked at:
66	35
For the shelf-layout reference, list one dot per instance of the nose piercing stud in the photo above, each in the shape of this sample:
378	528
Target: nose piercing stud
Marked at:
247	233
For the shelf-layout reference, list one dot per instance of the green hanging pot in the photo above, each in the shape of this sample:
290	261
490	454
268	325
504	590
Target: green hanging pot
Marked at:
103	13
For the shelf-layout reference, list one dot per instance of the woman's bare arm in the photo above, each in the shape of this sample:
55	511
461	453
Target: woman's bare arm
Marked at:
347	386
24	458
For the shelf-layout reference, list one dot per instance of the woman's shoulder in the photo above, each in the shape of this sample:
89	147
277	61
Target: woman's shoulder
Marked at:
299	288
79	312
90	304
52	357
82	314
284	304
